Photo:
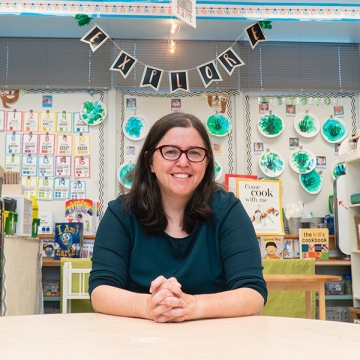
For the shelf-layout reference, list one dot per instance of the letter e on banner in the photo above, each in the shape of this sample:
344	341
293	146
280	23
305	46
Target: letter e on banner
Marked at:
255	34
95	38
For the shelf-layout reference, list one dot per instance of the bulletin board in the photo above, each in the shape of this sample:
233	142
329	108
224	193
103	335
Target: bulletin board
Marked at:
291	109
58	156
148	108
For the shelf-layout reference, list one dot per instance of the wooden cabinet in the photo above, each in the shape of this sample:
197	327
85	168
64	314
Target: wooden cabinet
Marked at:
353	186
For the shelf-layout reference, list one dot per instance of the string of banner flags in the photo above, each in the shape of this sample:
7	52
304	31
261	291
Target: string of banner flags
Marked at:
178	79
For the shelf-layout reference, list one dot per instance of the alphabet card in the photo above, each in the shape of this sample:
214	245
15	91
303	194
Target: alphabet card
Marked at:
263	203
64	144
14	122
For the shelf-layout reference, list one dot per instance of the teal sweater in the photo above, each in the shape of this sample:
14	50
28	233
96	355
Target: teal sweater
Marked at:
220	254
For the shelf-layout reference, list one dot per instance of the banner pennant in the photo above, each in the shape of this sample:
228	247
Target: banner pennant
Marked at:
209	73
124	63
179	80
95	38
255	34
151	77
230	60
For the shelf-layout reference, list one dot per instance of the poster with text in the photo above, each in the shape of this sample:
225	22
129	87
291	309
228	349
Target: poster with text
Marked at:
263	203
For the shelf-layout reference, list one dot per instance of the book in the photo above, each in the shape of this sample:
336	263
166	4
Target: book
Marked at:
271	247
68	239
82	211
314	243
291	249
47	248
87	248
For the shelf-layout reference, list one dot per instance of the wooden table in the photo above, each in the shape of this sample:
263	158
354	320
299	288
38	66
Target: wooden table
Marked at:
96	336
307	283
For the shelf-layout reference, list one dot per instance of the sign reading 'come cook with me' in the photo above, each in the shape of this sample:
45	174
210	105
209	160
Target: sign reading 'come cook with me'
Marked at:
263	203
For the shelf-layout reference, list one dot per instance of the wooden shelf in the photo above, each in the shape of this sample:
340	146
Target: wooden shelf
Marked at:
51	236
51	298
48	261
333	261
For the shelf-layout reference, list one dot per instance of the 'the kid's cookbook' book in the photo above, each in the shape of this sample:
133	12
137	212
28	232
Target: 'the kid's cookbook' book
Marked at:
314	243
68	240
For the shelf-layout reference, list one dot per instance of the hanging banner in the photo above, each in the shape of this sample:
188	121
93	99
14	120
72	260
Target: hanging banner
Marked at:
255	34
178	81
151	78
95	38
124	63
230	60
209	73
185	10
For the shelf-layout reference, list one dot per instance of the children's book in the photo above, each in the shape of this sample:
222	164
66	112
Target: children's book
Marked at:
48	248
82	211
314	243
68	240
271	247
87	248
291	249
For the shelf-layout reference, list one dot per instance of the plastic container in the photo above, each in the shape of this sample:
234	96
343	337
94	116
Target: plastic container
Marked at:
295	224
10	225
35	227
335	288
315	222
348	283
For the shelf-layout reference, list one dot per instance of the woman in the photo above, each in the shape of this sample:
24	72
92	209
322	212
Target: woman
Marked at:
176	247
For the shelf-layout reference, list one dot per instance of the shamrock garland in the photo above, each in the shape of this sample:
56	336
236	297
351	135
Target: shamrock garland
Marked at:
83	19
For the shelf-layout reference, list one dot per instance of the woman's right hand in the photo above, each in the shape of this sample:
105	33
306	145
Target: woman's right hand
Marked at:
166	303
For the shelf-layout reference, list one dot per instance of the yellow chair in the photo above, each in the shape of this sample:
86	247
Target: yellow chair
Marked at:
74	285
289	303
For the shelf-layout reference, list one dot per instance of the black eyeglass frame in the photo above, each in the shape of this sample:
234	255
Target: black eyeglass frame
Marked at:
160	148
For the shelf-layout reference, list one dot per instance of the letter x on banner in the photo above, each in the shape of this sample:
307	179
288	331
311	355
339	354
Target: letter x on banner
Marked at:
178	80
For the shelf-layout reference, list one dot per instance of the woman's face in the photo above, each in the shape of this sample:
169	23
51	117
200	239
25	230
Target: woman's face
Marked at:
178	178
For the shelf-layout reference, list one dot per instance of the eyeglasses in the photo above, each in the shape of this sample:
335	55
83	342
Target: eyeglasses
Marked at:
172	153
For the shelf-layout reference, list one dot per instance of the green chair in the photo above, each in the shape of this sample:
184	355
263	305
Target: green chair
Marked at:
288	303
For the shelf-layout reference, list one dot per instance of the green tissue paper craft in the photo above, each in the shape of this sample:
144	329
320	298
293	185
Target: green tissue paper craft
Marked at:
265	24
83	19
270	125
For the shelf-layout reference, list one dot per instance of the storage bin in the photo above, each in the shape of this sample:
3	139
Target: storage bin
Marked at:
35	227
335	288
354	315
24	211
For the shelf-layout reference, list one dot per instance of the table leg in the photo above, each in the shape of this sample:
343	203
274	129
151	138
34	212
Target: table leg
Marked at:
308	304
322	312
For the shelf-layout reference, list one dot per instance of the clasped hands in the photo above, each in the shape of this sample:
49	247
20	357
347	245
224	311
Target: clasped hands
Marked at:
168	303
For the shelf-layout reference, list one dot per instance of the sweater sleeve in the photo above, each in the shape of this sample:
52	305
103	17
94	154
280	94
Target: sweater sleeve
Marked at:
239	247
111	248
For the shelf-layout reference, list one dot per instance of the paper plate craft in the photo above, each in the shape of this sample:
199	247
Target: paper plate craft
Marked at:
218	170
271	125
307	125
271	163
93	112
311	182
218	125
136	127
338	168
125	174
302	161
334	130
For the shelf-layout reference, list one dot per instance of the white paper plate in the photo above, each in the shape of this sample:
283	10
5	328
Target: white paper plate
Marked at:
136	127
93	112
125	174
334	130
271	125
218	125
307	125
271	163
302	161
311	182
338	168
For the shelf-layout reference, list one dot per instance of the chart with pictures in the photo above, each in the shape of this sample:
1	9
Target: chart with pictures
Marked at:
44	138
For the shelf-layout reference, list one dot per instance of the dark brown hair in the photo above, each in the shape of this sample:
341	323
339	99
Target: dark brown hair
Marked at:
144	197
